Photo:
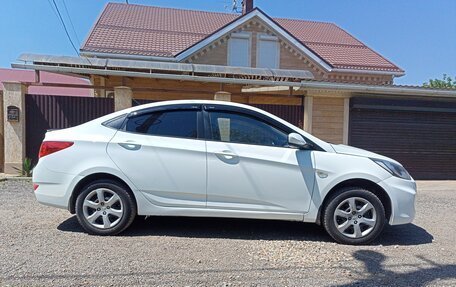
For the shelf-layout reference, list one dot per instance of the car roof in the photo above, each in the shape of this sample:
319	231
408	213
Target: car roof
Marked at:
201	102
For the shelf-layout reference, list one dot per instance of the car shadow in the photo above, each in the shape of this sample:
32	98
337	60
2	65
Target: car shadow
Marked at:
407	234
250	229
375	273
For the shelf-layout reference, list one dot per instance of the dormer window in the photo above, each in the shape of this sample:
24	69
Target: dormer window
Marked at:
268	51
239	50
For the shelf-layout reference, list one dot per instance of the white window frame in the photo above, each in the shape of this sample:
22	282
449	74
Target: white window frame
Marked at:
240	35
266	37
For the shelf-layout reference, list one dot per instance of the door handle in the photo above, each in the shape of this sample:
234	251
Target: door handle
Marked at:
226	154
130	146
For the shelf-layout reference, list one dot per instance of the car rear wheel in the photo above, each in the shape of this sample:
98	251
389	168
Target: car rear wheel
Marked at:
105	207
354	216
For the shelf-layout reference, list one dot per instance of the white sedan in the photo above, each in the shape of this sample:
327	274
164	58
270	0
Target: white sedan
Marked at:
217	159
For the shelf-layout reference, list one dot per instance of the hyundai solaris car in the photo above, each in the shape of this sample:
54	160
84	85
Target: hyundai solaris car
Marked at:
217	159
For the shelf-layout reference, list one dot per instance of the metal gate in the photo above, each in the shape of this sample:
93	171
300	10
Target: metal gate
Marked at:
43	112
420	134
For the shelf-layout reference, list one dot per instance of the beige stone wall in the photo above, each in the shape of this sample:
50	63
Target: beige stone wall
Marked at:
122	98
360	78
14	132
217	55
289	61
292	60
222	96
328	118
2	134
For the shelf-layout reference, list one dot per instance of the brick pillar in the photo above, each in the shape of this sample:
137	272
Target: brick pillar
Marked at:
308	108
14	131
346	120
122	98
222	96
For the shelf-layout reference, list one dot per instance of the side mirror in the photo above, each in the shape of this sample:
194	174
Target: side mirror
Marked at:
296	140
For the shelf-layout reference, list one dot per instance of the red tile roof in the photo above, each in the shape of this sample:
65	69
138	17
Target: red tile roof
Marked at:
17	75
155	31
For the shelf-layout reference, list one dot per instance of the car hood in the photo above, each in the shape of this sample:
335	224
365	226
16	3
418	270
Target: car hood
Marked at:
345	149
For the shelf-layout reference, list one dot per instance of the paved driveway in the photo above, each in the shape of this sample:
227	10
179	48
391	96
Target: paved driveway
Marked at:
44	246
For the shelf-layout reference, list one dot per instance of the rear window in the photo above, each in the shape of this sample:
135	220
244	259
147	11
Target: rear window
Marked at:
115	123
180	123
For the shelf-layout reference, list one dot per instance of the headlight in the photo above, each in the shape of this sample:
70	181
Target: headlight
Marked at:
393	168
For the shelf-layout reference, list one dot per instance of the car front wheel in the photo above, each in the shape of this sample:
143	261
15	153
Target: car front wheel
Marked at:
354	216
105	207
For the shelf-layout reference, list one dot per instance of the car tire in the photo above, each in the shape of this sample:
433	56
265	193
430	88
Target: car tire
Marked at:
354	216
105	207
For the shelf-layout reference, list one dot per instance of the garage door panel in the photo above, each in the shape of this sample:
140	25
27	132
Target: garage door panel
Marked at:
416	134
420	134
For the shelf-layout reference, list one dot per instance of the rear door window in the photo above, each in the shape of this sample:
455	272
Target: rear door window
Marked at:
168	123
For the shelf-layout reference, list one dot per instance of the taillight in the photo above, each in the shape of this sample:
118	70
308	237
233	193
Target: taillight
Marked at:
35	186
51	147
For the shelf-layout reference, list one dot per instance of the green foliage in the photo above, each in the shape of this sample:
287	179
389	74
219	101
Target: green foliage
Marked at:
27	168
445	83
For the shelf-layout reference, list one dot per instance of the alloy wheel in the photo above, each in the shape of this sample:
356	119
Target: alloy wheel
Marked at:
355	217
102	208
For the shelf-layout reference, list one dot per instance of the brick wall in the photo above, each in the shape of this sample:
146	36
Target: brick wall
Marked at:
328	118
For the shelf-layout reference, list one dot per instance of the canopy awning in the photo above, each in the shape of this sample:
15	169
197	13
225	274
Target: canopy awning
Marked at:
253	80
84	65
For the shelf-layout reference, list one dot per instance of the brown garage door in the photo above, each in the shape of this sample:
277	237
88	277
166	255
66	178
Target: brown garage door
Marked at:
421	134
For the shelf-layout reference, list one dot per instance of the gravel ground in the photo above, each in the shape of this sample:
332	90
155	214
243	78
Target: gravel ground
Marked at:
41	245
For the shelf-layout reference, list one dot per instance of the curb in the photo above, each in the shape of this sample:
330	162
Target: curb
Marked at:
16	178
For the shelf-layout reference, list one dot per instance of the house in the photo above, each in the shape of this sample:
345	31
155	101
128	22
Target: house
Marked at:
313	74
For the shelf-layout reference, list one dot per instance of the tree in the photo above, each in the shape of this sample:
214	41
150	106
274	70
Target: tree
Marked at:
445	83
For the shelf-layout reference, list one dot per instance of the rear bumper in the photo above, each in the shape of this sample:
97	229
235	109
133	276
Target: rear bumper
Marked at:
402	194
54	188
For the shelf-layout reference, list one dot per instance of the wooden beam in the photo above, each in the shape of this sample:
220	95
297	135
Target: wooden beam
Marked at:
146	89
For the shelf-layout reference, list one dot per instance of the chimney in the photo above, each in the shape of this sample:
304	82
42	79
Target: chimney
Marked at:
247	6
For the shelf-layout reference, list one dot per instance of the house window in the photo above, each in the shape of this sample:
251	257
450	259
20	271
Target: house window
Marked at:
239	50
268	52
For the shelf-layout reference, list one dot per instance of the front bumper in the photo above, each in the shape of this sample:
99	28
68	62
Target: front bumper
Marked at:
402	194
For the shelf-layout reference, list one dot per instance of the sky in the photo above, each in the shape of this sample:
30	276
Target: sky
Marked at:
417	35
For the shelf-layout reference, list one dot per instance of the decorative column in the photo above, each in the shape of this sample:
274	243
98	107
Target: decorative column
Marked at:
14	125
308	108
346	120
122	98
222	96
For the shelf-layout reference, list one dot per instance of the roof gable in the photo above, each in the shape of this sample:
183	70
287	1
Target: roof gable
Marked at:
172	34
256	13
